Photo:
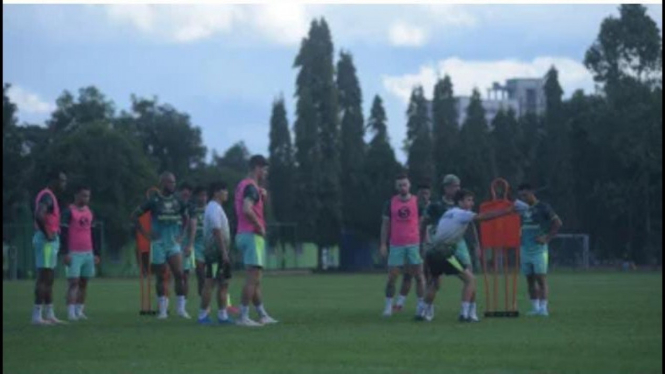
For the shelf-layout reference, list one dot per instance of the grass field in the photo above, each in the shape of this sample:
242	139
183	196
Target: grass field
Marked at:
599	323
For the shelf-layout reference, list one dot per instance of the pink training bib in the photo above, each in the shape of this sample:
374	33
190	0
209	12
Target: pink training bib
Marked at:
404	228
244	225
51	220
80	229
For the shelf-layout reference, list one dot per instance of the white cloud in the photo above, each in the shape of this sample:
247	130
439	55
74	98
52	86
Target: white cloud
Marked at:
177	23
280	23
28	102
467	75
451	15
404	35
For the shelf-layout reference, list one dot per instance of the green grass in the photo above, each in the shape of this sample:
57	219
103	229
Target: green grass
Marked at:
600	323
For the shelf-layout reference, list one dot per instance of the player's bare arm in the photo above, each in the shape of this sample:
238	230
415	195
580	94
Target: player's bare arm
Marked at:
385	232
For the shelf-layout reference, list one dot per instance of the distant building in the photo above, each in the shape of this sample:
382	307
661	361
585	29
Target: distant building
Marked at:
522	95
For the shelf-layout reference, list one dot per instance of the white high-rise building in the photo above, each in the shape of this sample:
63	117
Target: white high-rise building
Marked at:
522	95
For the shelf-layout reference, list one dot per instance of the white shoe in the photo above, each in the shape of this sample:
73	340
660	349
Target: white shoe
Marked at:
474	319
40	322
247	322
429	314
183	314
388	312
81	316
54	320
162	315
73	317
267	320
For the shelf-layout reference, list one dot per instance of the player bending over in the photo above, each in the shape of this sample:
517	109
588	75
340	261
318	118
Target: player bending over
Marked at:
442	257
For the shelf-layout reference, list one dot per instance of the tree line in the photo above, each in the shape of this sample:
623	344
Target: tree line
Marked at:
596	156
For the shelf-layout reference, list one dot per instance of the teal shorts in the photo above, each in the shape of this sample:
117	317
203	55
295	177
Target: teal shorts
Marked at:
82	265
46	252
534	261
404	255
252	248
188	262
462	253
160	250
199	252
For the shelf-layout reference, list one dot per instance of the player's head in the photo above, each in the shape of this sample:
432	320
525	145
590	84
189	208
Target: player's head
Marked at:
167	183
258	167
402	184
424	192
451	185
82	195
464	199
185	191
525	193
218	191
57	181
201	195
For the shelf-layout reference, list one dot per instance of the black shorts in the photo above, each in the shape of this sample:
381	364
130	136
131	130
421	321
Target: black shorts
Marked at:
217	270
442	262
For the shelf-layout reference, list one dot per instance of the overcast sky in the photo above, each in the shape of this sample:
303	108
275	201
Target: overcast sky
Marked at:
225	64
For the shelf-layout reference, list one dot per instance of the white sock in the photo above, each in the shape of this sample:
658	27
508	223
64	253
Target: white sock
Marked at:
472	311
244	311
429	308
261	310
78	309
535	304
181	303
400	300
465	309
228	300
37	312
389	302
162	301
71	310
222	314
543	305
49	311
421	303
203	313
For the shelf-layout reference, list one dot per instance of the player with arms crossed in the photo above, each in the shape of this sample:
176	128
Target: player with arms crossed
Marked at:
250	238
442	257
539	225
400	229
217	239
80	250
168	214
46	243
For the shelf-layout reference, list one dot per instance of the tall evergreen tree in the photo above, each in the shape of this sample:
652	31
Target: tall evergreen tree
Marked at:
353	146
445	128
418	143
504	137
475	149
317	137
280	178
381	166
